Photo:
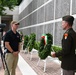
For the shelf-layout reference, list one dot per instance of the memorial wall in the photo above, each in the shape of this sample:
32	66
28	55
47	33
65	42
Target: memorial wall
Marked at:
44	16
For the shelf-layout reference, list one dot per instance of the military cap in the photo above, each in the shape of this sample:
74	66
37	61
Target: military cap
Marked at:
68	18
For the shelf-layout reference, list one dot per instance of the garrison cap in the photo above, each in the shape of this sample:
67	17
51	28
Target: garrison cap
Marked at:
68	18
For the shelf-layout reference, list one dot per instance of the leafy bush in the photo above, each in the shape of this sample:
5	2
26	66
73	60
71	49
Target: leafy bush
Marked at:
31	42
56	49
21	36
36	45
26	39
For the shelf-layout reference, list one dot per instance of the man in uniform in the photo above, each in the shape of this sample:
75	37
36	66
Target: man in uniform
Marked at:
68	53
12	40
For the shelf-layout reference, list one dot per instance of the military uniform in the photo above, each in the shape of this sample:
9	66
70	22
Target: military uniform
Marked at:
68	50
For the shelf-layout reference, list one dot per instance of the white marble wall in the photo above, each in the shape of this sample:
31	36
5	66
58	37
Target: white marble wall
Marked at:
44	16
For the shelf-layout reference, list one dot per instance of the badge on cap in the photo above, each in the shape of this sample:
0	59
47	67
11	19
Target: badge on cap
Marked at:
65	35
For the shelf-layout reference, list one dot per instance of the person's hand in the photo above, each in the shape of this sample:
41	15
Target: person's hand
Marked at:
53	54
15	53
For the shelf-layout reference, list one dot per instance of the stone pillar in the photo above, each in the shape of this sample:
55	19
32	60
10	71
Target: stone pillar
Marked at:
15	17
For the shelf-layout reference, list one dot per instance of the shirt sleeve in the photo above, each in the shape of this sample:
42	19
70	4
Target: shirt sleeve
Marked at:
7	38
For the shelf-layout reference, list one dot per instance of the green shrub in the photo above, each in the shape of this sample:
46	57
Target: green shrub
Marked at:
31	42
26	39
36	45
56	49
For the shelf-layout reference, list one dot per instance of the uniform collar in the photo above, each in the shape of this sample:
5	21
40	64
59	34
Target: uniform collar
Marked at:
69	29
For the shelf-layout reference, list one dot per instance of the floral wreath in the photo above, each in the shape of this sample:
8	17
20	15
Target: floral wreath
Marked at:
45	45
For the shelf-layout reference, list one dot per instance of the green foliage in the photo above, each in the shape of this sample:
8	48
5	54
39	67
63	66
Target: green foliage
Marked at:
19	1
8	3
41	47
36	45
21	36
31	42
45	50
26	39
56	49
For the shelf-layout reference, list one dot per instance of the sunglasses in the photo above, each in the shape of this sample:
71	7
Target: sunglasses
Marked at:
17	24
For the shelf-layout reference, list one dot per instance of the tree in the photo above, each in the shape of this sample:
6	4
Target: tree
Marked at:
8	3
19	1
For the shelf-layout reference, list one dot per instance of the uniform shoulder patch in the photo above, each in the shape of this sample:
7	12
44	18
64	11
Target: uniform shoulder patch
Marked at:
65	35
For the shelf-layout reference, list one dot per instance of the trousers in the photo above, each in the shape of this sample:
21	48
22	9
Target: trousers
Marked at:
11	61
68	72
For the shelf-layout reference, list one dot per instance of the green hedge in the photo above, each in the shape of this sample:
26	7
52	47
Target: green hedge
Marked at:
56	49
26	39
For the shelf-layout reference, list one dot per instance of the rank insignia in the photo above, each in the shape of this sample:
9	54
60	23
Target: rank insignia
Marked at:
65	35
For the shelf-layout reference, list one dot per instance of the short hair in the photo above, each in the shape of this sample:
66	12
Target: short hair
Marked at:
14	22
68	19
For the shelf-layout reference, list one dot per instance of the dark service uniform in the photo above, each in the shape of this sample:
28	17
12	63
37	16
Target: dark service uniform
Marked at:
68	51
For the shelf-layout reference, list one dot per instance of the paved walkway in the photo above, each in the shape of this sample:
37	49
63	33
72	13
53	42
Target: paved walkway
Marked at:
52	67
29	67
24	67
